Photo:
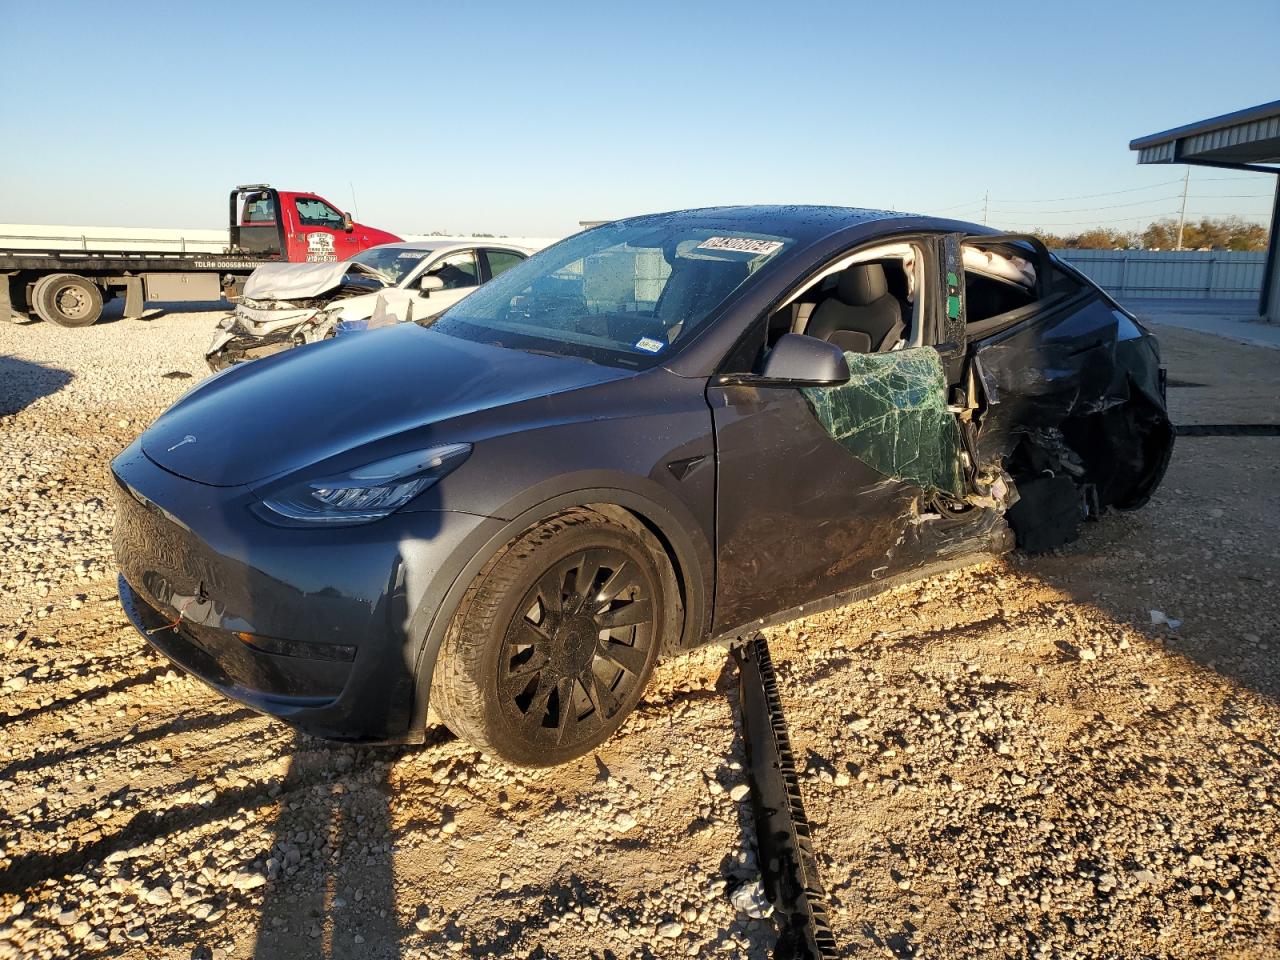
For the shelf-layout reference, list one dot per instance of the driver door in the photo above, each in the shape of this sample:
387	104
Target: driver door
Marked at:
817	485
459	271
321	231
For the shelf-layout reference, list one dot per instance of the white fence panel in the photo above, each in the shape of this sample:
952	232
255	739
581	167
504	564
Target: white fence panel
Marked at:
1173	274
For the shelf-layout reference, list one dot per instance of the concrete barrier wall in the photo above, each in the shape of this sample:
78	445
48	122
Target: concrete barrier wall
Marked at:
1171	274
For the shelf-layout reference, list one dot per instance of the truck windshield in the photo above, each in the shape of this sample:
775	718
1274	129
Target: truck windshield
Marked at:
626	295
394	263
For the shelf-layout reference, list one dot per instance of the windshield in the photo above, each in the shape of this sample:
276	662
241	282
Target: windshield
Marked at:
395	263
623	294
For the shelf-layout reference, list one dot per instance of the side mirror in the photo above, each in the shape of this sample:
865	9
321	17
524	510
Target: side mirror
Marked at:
347	223
805	362
428	283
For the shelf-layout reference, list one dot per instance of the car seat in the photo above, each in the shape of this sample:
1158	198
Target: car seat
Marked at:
861	316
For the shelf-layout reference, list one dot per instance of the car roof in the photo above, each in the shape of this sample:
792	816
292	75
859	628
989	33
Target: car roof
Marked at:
446	245
803	222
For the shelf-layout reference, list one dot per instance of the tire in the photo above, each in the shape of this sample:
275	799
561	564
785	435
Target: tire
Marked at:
529	670
67	300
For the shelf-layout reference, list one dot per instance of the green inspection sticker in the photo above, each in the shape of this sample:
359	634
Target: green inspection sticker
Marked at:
953	296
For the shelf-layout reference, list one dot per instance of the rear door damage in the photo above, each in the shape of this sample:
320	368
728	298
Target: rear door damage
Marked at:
1068	395
1011	401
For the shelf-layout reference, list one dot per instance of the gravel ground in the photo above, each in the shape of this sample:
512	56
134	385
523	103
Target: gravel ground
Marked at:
1012	760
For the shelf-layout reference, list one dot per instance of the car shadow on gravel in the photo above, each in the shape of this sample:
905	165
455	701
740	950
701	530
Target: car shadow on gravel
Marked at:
331	888
331	884
113	310
23	382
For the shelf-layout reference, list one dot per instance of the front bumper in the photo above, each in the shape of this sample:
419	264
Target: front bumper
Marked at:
230	347
271	684
239	339
318	628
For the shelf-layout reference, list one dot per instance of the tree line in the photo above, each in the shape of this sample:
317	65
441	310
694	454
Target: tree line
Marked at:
1223	233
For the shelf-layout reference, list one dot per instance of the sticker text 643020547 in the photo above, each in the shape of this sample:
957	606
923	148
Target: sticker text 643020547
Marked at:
741	245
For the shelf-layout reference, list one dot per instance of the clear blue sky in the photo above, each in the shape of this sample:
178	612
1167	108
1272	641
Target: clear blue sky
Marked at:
524	118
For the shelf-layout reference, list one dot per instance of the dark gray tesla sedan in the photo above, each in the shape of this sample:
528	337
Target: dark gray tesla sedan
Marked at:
656	433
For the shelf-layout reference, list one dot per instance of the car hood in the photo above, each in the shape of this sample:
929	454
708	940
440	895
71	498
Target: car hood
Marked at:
298	281
273	416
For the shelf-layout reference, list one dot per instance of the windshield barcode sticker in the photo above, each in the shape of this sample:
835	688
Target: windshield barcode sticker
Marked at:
741	245
649	345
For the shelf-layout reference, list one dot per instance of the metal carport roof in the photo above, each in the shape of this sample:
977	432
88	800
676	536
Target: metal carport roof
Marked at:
1245	140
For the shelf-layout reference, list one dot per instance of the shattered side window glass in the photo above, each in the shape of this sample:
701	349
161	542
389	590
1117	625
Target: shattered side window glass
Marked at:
892	415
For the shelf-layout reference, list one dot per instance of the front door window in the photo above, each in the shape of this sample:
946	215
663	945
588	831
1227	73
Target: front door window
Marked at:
457	271
313	212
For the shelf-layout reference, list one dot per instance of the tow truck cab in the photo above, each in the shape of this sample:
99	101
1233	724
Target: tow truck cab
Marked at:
294	226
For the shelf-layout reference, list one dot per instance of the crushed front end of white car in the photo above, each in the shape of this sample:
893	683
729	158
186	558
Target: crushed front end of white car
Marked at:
285	305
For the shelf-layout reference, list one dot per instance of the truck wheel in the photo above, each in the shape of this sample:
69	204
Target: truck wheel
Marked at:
553	642
67	300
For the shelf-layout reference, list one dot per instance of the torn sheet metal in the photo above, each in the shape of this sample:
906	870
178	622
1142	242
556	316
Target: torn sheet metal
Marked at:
892	415
1089	379
783	839
295	281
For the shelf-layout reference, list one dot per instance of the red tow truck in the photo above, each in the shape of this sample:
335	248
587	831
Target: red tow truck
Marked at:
69	287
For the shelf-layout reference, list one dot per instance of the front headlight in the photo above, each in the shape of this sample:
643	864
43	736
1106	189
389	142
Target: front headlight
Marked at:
366	493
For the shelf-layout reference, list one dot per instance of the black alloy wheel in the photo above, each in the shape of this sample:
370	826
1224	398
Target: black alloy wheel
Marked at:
573	657
552	645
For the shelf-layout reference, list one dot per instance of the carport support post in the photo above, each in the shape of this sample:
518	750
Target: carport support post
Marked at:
1269	302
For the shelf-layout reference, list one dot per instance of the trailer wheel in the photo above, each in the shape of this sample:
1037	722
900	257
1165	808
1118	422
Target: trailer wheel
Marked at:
67	300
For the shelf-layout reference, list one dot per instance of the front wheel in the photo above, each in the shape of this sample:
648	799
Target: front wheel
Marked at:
554	641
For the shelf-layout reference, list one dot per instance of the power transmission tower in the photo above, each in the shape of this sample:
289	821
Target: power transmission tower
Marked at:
985	197
1182	214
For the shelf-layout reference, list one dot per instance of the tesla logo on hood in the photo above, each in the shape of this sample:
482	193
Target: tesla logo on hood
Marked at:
182	443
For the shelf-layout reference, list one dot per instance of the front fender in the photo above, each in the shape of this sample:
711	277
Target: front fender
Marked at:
669	519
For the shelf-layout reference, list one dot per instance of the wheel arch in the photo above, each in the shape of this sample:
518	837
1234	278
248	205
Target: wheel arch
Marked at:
656	515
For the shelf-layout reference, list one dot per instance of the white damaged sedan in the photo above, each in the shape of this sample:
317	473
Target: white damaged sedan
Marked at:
285	305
